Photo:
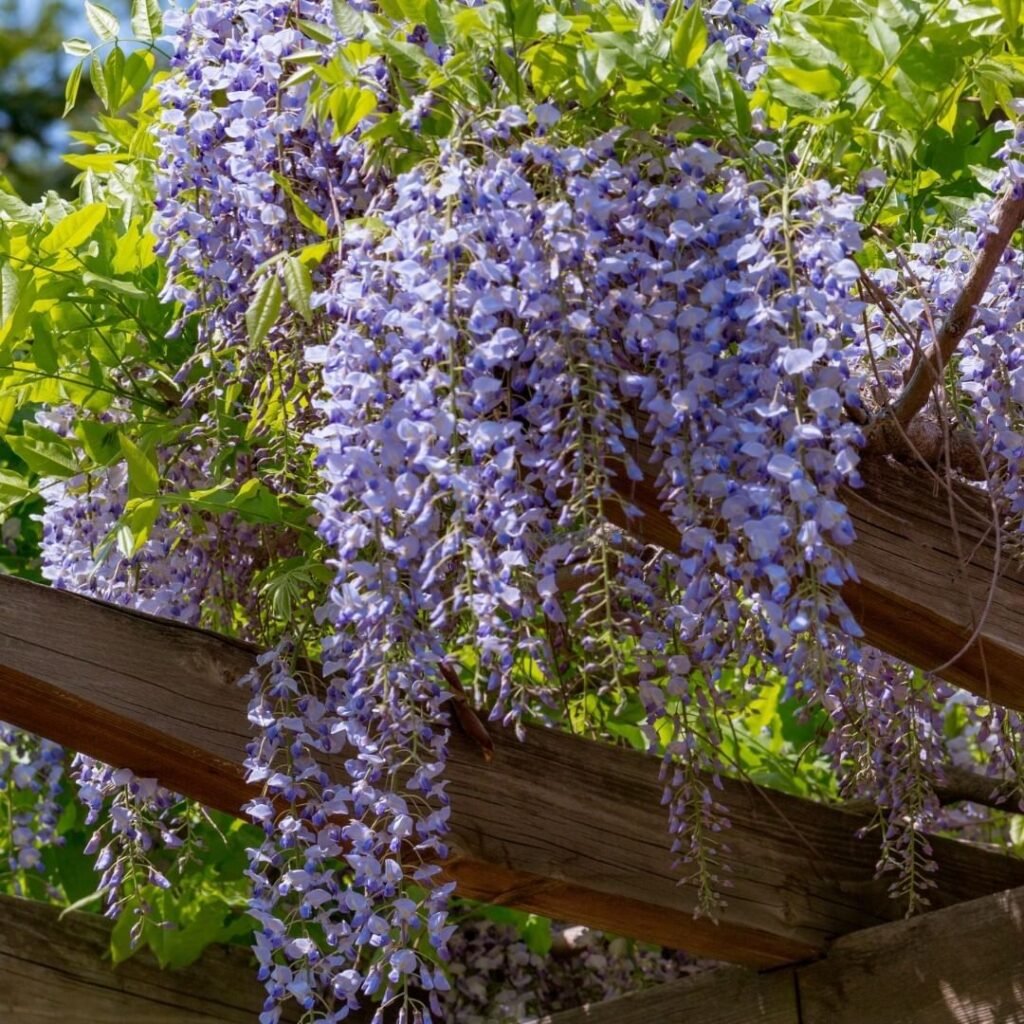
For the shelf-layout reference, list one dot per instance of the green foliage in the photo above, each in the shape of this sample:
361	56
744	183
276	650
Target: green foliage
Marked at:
889	84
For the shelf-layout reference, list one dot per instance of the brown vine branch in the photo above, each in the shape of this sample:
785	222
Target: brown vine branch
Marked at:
1008	216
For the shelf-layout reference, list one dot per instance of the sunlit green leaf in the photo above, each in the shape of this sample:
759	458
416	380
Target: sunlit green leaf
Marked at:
143	476
690	37
146	19
262	313
101	21
75	229
299	284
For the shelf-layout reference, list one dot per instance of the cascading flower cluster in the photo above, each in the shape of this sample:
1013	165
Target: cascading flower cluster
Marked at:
369	922
230	138
185	570
524	321
30	765
896	767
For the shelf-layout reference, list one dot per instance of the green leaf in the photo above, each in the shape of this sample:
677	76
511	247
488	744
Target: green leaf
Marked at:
253	501
13	207
1010	10
146	19
74	229
77	47
306	216
71	88
102	162
256	502
136	525
13	488
134	250
102	22
350	22
99	83
536	931
101	441
113	75
299	284
44	355
595	68
110	284
137	70
264	308
11	283
690	39
553	24
16	300
349	105
44	452
315	31
143	478
304	74
434	22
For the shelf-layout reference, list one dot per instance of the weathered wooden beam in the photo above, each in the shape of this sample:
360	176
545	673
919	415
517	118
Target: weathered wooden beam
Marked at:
936	585
57	970
725	996
961	965
555	825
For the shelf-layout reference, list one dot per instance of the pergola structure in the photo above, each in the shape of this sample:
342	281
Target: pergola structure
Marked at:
570	828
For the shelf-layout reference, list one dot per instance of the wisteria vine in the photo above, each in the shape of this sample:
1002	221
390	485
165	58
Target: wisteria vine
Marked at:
469	368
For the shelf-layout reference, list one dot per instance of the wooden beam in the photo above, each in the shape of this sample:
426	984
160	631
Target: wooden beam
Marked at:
933	587
57	970
555	825
725	996
961	965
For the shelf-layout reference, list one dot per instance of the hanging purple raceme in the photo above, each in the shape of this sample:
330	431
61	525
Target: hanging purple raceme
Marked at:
888	748
514	333
30	765
238	160
186	570
369	922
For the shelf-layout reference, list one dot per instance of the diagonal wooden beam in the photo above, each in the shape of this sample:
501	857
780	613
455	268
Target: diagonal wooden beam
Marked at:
961	965
935	584
727	995
555	825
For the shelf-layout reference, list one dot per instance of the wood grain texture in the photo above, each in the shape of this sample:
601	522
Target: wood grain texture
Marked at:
57	971
962	965
556	825
727	996
930	572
